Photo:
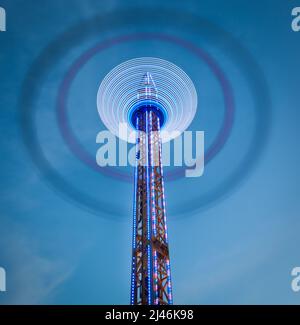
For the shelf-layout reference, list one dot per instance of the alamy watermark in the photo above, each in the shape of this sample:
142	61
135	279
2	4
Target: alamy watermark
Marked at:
188	150
2	20
2	280
296	20
295	284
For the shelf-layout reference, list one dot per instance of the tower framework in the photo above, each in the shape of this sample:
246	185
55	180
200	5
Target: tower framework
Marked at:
151	276
123	100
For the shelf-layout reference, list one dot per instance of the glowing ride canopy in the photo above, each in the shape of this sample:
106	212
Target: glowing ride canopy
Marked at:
176	97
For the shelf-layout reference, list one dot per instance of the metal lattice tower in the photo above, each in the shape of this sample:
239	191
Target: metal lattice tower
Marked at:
151	277
155	117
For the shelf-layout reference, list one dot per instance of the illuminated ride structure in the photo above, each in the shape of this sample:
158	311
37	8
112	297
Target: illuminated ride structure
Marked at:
145	108
151	276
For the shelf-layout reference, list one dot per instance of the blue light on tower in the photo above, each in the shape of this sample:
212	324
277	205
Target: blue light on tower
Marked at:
148	94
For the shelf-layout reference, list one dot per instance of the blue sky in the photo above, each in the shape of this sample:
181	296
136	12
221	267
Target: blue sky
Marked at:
234	232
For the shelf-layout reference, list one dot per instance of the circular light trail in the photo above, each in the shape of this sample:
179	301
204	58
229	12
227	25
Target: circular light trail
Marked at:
118	95
47	60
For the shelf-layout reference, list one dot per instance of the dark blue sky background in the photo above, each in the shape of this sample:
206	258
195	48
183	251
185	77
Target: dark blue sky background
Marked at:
65	231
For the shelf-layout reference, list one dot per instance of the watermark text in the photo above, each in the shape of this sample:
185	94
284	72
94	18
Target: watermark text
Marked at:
2	280
187	149
2	20
295	284
296	20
